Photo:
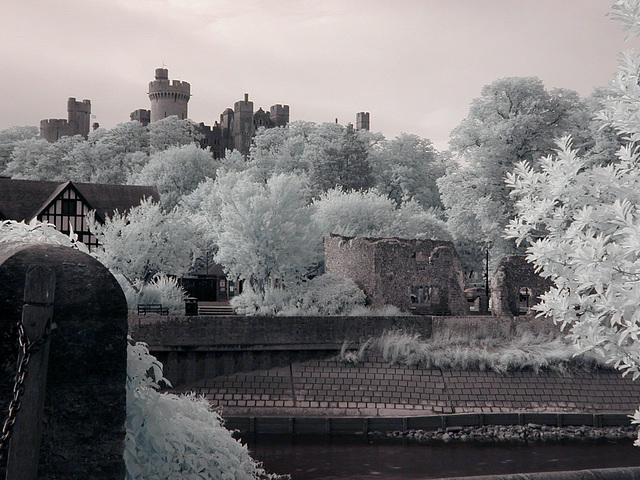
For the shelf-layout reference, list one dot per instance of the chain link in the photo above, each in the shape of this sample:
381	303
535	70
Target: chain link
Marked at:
27	348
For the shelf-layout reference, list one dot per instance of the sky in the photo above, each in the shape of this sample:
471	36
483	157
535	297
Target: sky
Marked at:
415	65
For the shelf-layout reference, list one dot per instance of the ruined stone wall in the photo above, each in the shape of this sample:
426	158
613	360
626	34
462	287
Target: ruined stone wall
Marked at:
422	275
513	273
352	258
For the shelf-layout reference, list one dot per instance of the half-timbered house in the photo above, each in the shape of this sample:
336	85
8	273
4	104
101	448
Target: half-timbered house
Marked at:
66	204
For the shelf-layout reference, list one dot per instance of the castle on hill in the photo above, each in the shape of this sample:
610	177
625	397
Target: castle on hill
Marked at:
233	131
77	122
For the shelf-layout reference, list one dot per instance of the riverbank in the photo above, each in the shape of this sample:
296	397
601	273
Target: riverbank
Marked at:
374	388
517	434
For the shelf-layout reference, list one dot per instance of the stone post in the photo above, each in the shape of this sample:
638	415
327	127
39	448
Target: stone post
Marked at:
85	403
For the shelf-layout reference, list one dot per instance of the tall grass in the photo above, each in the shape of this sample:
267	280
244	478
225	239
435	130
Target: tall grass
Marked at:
454	350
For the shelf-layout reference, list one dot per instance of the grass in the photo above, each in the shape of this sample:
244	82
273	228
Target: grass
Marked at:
455	350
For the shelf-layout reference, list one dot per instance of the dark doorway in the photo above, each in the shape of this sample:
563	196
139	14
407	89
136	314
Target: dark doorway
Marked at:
204	289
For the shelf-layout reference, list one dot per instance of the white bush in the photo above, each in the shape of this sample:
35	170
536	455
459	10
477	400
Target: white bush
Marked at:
323	295
38	232
177	436
161	289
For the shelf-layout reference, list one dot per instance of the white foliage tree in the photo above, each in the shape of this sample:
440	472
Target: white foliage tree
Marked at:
10	137
38	232
177	436
407	167
176	171
173	132
37	159
111	156
514	119
264	230
371	214
145	241
582	224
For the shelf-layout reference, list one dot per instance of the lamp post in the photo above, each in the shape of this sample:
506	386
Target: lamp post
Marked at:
486	284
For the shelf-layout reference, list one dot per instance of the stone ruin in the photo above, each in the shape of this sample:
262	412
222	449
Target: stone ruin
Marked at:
422	276
516	287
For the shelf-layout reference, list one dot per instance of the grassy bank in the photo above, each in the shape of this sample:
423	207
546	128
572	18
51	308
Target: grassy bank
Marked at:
467	349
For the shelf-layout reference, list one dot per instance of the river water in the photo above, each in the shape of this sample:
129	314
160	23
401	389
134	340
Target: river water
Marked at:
386	459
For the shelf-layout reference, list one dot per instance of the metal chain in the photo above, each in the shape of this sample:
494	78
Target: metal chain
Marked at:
27	348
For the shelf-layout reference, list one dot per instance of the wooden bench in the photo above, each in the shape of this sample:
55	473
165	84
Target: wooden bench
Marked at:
144	308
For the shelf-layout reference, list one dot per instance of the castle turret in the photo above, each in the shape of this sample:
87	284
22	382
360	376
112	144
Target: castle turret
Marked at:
168	98
362	121
243	125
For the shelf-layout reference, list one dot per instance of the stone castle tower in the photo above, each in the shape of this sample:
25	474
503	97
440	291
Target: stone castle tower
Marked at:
362	121
77	123
168	97
237	126
243	128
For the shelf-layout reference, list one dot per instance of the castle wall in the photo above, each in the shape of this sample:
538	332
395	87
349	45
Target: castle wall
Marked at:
424	276
52	129
141	115
79	116
279	115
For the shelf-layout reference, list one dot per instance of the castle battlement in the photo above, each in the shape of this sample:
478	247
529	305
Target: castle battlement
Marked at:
54	122
167	86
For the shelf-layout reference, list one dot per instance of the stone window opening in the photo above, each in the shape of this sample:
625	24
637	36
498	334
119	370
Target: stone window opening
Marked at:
424	294
525	299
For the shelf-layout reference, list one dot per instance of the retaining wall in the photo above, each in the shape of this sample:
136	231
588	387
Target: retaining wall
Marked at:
195	348
335	426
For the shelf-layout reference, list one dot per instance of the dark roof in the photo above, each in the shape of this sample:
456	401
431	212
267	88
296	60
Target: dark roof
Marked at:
25	199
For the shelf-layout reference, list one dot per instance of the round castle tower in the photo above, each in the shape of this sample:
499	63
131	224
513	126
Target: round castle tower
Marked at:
168	98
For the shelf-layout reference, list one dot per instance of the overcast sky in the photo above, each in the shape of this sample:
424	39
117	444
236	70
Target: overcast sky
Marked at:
415	65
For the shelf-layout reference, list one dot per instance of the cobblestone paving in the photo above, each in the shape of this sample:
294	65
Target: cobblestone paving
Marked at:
375	388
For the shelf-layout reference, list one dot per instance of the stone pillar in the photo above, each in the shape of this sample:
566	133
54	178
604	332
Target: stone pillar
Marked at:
85	404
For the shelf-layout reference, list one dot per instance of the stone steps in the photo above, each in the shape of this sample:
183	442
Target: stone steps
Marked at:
215	310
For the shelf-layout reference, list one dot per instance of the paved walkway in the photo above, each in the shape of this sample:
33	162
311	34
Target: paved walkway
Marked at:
375	388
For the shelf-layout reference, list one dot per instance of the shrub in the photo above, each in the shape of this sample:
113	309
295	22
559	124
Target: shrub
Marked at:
161	289
323	295
177	436
38	232
450	349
